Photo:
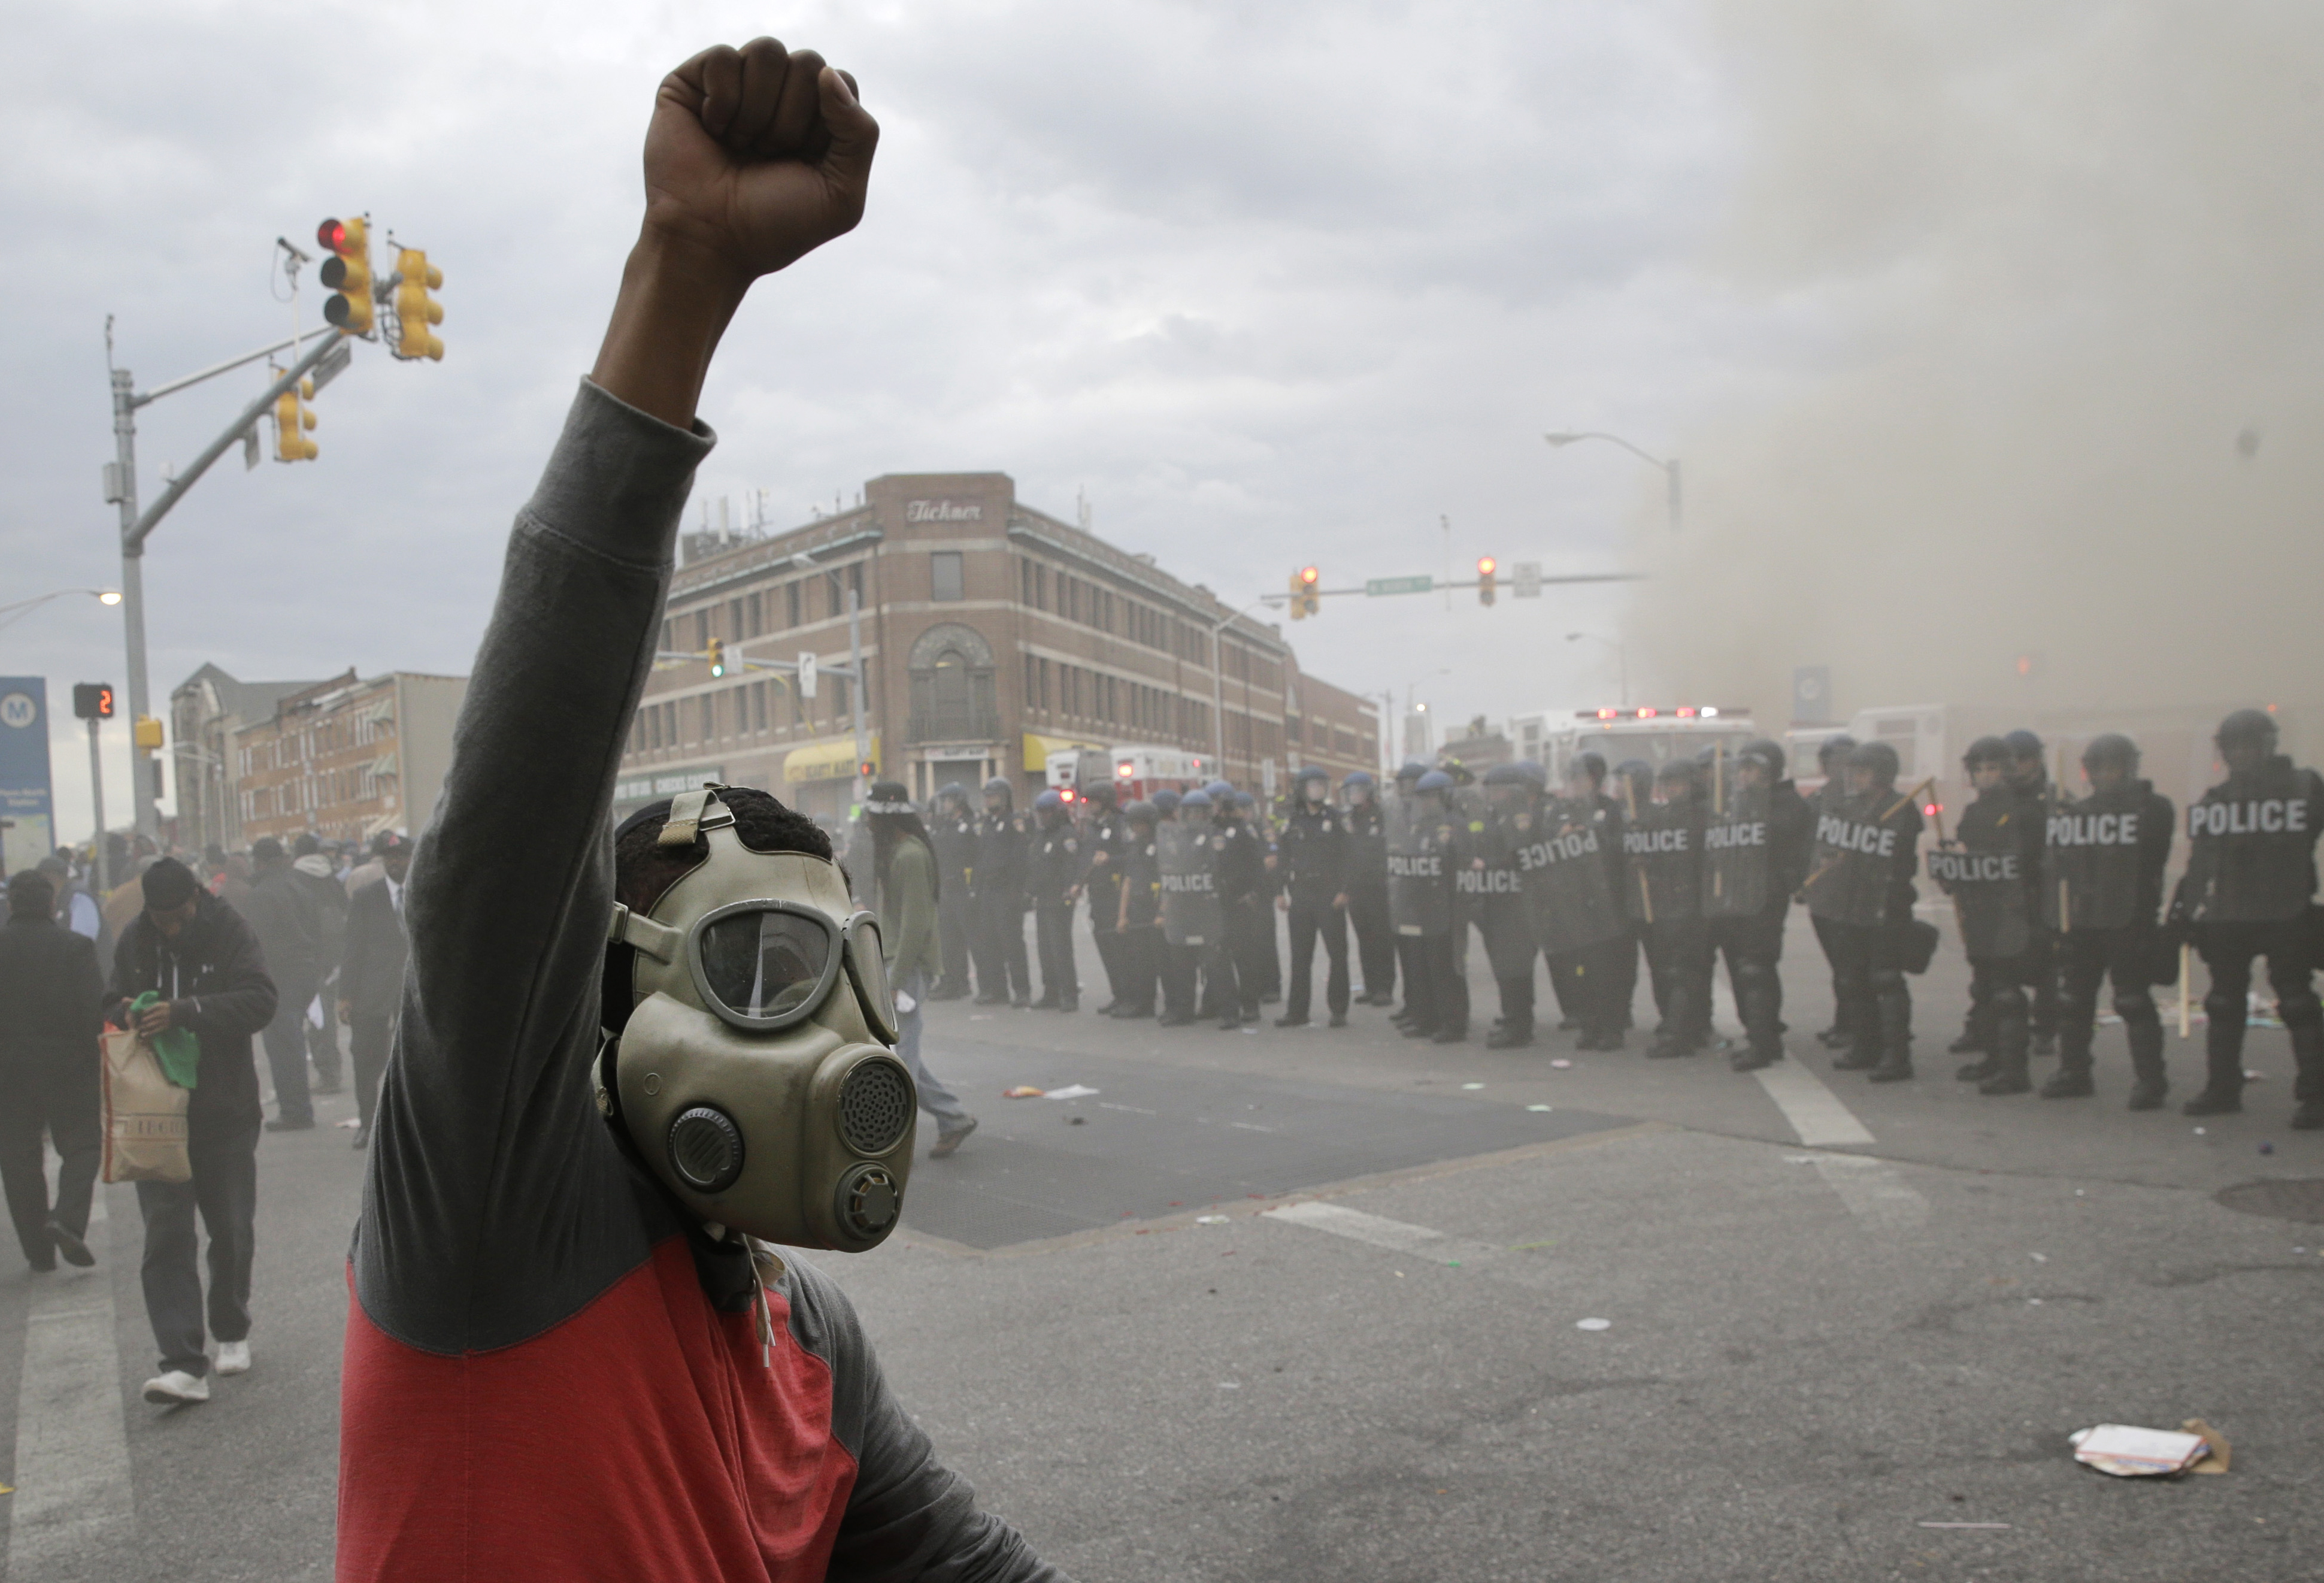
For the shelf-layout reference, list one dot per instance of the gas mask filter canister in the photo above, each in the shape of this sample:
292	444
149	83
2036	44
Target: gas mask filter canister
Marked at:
755	1076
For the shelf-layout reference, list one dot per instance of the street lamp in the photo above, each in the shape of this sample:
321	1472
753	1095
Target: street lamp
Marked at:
1670	468
22	607
1621	657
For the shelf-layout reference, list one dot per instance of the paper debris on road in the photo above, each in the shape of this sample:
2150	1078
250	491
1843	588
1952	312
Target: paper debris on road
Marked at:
1961	1525
1593	1324
1561	1064
1539	1107
1071	1091
2127	1451
1022	1091
1472	1085
354	1123
1209	1220
2217	1452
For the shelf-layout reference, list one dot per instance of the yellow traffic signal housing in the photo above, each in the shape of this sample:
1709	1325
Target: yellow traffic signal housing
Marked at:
717	656
1487	567
1299	601
292	420
415	310
347	272
148	732
1308	593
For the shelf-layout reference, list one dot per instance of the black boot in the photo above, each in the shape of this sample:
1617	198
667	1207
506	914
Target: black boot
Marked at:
2307	1054
1508	1037
1975	1039
2072	1078
1978	1071
2148	1085
2010	1037
2223	1057
1863	1051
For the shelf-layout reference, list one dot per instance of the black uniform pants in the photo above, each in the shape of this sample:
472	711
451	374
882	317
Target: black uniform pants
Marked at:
1175	968
1999	986
56	1094
1443	964
286	1054
1419	998
998	944
1846	985
2087	957
1138	962
367	1042
2041	975
1867	980
1754	947
224	1192
1367	915
1309	916
1678	960
1053	935
955	909
1622	964
2229	949
1105	906
1599	980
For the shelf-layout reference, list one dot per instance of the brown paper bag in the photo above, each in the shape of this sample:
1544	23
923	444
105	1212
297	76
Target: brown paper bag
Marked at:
144	1113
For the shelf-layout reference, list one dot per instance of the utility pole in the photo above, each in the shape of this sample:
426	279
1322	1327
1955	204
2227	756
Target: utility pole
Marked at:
97	808
855	659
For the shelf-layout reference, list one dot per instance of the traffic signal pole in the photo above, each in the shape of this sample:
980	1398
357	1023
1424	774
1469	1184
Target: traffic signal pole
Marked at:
97	801
136	526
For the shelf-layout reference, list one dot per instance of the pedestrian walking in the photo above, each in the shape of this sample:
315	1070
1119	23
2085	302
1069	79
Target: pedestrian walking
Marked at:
908	890
51	1015
371	976
199	960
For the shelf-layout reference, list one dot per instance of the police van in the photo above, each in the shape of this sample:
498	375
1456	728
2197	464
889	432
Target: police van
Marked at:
1658	734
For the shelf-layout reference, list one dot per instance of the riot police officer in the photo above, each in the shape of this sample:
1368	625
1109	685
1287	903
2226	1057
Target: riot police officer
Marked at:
1754	853
1366	882
1574	896
1832	762
2029	777
1862	894
1423	856
1186	868
1258	961
1313	853
1105	839
2251	876
1417	1010
1492	891
1054	879
1138	914
952	833
2100	892
1663	845
997	880
1231	976
1983	869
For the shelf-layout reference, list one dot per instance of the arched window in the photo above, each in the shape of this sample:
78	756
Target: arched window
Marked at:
953	688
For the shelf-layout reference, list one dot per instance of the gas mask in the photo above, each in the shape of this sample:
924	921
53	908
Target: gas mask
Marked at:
755	1076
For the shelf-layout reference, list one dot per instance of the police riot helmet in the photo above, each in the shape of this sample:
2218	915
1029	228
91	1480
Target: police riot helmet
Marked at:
998	784
1765	752
2023	744
2111	748
952	789
2248	725
1218	788
1141	812
1537	776
1434	780
1506	775
1988	750
1197	801
1876	756
1835	750
1312	773
1411	769
1680	771
1165	800
1592	764
1358	778
1048	801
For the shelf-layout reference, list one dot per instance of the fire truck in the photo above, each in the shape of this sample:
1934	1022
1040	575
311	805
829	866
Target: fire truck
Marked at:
1137	771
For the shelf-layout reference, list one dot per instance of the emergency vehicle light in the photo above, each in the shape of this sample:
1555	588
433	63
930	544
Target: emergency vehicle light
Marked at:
1710	711
1647	711
1124	770
1685	712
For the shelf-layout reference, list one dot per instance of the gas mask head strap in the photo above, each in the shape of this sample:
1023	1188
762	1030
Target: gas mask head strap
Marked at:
691	813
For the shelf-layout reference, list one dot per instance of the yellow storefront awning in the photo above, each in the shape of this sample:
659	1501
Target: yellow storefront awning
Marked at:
828	761
1039	749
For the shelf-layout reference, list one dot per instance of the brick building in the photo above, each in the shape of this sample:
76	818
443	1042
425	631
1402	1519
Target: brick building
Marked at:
992	635
205	709
346	758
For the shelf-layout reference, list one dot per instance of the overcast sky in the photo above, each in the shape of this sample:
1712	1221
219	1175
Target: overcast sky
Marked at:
1271	284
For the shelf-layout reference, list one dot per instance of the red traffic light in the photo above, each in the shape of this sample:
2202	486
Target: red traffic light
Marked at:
332	235
1307	576
1487	566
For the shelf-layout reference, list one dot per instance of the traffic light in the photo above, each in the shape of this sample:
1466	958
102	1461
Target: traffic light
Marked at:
867	769
1486	567
415	310
1304	600
292	419
717	656
92	700
347	272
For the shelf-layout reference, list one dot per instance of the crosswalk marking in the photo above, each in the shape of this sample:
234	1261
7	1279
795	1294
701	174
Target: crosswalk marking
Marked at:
72	1448
1874	1191
1815	1113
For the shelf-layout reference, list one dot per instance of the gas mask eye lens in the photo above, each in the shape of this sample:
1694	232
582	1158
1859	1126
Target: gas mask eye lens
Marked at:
706	1148
764	964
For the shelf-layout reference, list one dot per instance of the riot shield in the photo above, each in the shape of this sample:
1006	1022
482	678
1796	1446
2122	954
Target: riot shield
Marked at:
1988	891
1567	889
1663	845
2093	855
1187	861
1855	860
1738	862
1419	890
2252	835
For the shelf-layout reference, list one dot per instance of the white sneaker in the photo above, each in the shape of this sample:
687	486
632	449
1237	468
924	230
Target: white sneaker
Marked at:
176	1386
233	1357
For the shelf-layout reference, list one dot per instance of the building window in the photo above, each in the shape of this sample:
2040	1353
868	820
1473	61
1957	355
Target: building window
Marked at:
946	577
953	687
758	704
1032	694
1024	581
1044	669
756	614
702	629
791	598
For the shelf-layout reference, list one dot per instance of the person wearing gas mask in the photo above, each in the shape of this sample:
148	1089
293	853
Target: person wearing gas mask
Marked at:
2248	893
952	833
1312	850
1983	870
2100	892
1138	915
1831	764
1493	887
1756	844
905	891
1186	861
1000	883
1054	874
1663	843
1861	892
625	1069
1367	886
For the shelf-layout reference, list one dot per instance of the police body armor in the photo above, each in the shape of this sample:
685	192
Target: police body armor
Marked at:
1738	857
2253	839
1663	847
1188	859
1855	857
1419	892
1984	874
1367	846
1109	833
2094	855
1494	895
1562	861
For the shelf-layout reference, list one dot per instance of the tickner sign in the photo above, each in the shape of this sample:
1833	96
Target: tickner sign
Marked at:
648	786
943	511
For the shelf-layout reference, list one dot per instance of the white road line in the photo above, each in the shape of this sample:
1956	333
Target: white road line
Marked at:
1873	1191
1814	1112
1402	1236
72	1451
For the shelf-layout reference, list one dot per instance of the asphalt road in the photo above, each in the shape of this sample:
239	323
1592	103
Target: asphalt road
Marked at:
1306	1304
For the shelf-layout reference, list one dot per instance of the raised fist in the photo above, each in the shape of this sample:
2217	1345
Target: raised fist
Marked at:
756	157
